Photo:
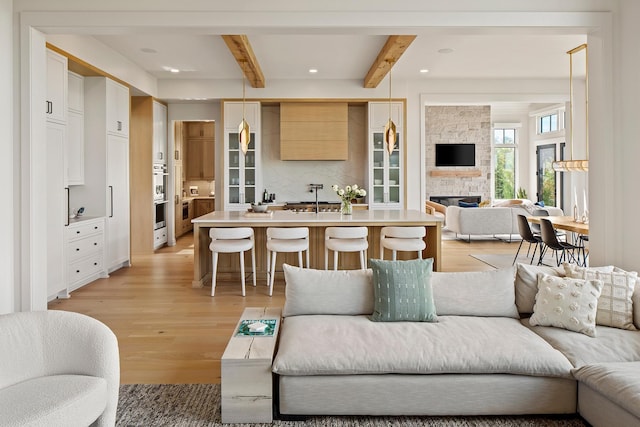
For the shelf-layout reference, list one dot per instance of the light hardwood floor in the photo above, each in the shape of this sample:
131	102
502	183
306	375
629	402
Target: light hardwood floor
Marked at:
171	333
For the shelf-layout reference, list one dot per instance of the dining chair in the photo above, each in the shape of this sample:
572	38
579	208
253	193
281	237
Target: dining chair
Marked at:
550	240
527	235
535	228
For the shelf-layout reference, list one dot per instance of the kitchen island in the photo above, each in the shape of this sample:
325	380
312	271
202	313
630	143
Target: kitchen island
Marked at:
229	265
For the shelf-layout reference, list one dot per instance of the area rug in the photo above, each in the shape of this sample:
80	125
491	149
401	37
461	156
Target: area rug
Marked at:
506	260
194	405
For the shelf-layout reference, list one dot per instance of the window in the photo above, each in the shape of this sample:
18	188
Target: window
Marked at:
504	157
549	123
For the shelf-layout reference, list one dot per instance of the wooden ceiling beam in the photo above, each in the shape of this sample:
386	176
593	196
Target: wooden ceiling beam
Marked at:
243	53
388	56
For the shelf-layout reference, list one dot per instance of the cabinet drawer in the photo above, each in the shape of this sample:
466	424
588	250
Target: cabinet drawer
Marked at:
83	247
159	237
78	231
86	267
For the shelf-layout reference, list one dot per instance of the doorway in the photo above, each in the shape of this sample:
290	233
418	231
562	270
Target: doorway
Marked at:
546	176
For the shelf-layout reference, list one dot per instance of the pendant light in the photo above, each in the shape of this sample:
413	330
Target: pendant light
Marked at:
244	134
576	165
390	127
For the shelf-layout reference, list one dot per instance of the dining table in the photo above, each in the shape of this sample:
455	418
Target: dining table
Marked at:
567	223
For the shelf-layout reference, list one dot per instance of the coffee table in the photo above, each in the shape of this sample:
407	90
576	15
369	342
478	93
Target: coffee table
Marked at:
246	377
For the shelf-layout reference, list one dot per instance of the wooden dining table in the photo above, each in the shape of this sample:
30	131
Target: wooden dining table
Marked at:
566	223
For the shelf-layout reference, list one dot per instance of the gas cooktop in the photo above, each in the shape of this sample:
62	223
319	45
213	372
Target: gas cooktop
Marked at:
311	206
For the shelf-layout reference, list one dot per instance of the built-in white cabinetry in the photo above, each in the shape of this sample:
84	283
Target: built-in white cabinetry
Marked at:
85	249
56	102
75	130
159	133
385	172
106	185
242	173
117	108
56	215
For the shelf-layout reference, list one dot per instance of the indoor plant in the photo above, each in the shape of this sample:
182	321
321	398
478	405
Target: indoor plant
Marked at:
347	194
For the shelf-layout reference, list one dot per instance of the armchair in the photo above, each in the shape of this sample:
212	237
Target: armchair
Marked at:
57	368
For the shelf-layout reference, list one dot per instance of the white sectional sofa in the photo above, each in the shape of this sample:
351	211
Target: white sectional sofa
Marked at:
481	357
490	221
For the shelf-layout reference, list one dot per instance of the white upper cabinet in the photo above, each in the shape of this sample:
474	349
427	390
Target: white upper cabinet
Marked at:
56	102
75	92
159	133
386	171
117	109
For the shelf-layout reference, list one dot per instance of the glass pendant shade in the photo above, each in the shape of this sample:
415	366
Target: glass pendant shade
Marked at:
244	135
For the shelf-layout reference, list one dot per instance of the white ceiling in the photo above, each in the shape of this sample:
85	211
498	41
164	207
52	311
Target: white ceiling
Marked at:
349	56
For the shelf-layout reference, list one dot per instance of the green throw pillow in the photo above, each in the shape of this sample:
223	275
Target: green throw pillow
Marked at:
402	291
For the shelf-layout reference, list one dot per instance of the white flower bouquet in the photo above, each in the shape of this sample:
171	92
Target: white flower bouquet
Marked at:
349	192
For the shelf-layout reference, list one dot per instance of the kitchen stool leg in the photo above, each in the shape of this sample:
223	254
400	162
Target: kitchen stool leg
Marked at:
272	267
335	260
242	271
213	273
253	265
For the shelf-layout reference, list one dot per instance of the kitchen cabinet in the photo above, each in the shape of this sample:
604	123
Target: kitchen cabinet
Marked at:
314	131
385	172
106	189
85	246
75	130
57	215
159	133
200	151
242	173
117	103
203	207
56	103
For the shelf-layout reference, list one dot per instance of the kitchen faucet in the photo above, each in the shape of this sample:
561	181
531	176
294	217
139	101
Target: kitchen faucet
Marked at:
316	187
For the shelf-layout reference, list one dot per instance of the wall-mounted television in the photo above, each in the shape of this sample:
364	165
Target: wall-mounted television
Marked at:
455	154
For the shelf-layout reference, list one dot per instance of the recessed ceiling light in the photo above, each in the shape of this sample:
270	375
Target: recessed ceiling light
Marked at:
313	70
148	50
174	70
424	71
445	50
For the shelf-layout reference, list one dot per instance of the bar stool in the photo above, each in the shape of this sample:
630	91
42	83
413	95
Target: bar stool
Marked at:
402	239
230	240
345	239
293	239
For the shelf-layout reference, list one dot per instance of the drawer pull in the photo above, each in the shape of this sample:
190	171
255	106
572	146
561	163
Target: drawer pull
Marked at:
95	244
78	232
95	227
77	249
95	263
77	271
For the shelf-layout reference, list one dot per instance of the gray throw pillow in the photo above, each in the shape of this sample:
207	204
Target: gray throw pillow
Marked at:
402	291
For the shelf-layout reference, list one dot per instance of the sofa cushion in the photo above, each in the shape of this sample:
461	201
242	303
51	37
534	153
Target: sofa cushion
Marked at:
615	307
477	293
402	291
346	345
635	298
567	303
527	284
610	344
309	291
56	400
620	382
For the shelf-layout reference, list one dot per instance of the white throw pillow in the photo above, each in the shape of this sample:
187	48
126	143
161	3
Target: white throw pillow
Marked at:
615	305
567	303
309	291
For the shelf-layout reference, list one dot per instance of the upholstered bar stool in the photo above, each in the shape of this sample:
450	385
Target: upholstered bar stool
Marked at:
231	240
345	239
407	239
293	239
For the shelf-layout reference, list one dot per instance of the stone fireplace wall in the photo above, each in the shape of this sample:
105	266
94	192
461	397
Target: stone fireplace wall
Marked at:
459	124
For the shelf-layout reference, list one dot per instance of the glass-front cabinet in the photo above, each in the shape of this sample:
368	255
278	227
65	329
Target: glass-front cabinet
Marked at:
386	172
242	174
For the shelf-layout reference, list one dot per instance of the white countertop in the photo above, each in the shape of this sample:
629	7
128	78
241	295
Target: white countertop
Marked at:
286	217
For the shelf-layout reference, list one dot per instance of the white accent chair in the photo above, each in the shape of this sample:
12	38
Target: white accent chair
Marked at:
345	239
57	368
407	239
231	240
289	239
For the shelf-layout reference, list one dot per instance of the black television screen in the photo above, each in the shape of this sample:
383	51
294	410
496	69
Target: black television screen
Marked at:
455	154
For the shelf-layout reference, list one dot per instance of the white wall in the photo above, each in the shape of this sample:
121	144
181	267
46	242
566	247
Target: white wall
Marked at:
7	227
